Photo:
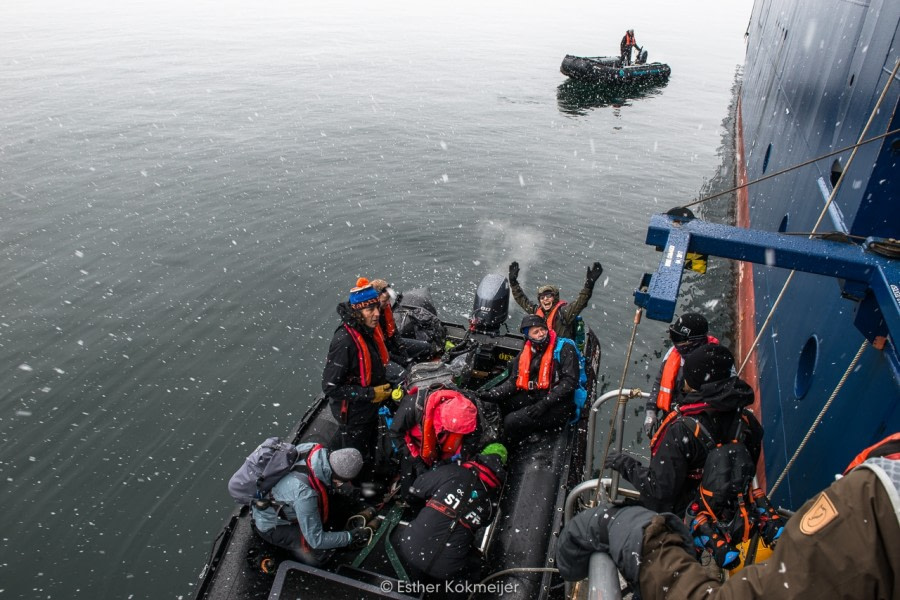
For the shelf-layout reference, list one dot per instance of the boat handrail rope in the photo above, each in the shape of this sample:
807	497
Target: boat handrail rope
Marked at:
792	168
819	417
837	186
619	415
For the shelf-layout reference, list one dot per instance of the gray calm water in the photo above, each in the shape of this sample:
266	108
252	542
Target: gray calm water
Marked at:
188	189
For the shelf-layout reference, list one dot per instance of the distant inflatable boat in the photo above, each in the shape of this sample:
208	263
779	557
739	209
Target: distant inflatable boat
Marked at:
609	69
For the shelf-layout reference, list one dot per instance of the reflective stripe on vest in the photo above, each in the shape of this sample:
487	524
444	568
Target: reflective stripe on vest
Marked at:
523	380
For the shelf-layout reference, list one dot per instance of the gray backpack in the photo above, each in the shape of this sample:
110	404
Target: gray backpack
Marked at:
265	467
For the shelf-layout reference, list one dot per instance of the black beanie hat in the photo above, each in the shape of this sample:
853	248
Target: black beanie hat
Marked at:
687	326
707	364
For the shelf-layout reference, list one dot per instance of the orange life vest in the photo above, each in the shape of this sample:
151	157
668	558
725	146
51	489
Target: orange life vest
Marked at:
363	355
629	39
551	318
523	380
670	375
389	325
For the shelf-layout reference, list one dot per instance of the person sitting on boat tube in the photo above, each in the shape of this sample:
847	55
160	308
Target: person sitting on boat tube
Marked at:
560	315
300	499
355	380
539	393
460	498
687	333
844	543
715	400
628	42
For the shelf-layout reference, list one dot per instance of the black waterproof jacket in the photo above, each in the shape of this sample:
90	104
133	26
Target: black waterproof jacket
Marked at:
438	542
562	387
341	377
665	485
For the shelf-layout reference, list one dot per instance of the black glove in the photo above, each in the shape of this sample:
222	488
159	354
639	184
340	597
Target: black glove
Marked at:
513	272
593	274
617	461
359	537
536	410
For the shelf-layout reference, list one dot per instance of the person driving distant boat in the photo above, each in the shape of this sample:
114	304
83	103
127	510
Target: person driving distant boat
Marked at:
559	314
628	42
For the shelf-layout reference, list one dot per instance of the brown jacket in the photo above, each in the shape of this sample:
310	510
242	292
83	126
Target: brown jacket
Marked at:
565	320
842	544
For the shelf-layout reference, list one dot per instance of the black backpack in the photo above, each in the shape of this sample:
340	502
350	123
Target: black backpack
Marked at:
728	470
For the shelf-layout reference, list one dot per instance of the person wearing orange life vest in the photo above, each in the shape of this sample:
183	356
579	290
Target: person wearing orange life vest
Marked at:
628	42
432	426
538	394
687	333
354	379
843	544
559	315
715	400
403	351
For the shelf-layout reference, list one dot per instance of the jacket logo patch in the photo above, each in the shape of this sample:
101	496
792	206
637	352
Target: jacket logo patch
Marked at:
821	514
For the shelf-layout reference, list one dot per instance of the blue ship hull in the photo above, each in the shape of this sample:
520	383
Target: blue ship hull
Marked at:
815	74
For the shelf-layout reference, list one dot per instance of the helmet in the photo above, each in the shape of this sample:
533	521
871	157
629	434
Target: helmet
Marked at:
531	321
689	326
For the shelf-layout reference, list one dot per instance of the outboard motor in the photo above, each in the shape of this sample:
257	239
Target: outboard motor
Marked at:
641	58
491	307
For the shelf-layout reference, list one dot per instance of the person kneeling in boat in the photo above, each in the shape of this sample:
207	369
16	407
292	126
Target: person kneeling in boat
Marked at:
355	380
560	316
539	393
628	42
460	498
433	426
687	333
842	544
300	502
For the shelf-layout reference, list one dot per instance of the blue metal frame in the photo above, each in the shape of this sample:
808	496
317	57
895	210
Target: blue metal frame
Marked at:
873	281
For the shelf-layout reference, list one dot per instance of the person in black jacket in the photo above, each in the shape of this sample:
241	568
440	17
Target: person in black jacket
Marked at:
670	482
431	426
538	394
354	379
459	500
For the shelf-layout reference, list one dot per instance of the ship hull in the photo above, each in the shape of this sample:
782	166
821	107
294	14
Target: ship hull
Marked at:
813	85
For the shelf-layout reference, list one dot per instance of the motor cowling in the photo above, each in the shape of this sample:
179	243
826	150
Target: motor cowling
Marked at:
491	307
